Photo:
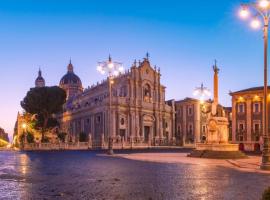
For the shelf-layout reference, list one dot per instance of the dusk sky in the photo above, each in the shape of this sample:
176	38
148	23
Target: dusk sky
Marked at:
183	39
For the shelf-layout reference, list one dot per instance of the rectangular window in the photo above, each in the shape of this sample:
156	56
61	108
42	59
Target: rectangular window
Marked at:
256	107
256	127
190	110
241	108
190	129
98	119
241	126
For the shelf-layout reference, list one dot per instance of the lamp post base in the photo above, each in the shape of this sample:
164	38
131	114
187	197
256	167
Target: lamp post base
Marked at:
265	165
110	152
110	146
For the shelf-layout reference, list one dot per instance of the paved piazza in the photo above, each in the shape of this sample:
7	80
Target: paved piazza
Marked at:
140	175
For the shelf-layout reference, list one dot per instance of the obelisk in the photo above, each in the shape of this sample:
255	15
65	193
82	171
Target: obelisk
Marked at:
215	102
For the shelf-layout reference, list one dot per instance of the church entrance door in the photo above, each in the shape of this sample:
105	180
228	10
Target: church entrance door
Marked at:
146	133
123	133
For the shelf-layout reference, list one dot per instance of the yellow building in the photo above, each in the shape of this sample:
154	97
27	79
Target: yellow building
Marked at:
247	118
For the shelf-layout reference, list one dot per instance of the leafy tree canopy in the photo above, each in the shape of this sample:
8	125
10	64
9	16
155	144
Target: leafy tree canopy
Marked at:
44	102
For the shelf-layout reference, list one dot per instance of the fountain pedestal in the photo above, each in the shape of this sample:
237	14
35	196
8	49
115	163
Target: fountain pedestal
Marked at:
217	145
217	136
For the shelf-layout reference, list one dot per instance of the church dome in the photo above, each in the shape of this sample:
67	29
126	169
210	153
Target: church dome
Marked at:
70	78
70	82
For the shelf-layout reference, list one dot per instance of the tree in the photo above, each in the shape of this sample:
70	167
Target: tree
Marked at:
44	102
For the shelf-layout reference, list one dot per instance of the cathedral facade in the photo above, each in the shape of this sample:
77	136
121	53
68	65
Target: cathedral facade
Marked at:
138	111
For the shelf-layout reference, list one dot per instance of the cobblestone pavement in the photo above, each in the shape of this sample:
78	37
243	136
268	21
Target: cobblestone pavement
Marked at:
154	175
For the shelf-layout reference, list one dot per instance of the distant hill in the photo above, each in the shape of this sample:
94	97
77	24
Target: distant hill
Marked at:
3	135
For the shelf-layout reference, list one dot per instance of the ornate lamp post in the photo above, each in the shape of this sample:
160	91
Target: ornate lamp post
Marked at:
203	93
111	69
259	12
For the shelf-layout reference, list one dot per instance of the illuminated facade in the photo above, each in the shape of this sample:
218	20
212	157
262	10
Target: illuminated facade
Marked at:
247	115
139	112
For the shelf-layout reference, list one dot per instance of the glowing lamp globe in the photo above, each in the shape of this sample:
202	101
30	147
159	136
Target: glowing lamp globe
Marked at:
264	4
23	125
255	24
116	73
110	65
244	13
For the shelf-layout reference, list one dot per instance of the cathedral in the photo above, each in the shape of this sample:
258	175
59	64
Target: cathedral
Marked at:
138	111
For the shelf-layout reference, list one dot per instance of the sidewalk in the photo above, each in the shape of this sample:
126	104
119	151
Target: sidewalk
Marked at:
250	164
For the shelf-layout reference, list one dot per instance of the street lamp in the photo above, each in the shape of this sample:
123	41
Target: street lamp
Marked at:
260	11
111	69
202	92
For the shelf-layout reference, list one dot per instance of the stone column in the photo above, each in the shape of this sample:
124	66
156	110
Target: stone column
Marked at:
92	127
249	121
215	103
197	123
161	127
234	104
184	127
128	125
157	122
82	125
113	123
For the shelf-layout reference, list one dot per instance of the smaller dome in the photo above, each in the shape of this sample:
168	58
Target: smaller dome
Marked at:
40	81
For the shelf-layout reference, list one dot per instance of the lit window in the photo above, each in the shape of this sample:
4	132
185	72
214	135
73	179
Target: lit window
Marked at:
241	108
256	127
190	110
256	107
241	126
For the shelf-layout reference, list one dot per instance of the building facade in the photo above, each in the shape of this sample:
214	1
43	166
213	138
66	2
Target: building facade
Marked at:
192	118
247	115
139	112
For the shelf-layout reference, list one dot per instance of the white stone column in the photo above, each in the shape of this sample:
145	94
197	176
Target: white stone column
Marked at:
249	120
197	122
184	127
161	127
234	104
113	123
